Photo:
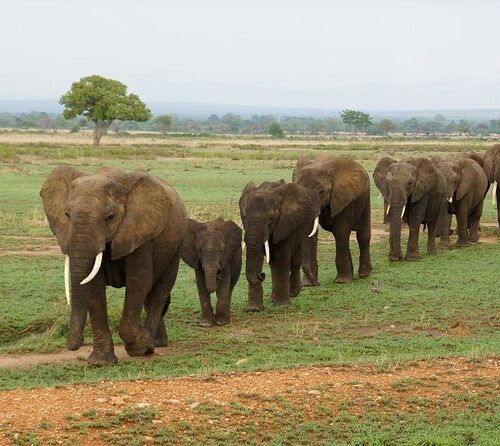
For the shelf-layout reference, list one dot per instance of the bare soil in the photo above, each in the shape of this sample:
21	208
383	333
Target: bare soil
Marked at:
81	414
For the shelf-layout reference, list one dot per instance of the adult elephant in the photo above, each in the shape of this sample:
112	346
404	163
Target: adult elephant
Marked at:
118	229
213	250
342	188
491	166
277	218
415	192
467	183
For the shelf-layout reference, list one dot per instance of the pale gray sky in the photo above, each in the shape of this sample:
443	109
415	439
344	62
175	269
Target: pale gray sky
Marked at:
404	54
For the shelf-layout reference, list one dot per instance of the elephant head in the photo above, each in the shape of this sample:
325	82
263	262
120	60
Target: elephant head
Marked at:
109	213
402	184
491	166
209	246
464	173
271	213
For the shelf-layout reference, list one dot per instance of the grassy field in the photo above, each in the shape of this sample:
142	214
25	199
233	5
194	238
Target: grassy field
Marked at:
413	315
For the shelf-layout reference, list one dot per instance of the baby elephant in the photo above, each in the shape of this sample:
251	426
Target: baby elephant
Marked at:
213	250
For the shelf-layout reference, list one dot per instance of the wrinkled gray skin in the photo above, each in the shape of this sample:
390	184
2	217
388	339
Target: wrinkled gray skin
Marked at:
418	187
342	187
467	184
491	166
213	250
137	222
282	213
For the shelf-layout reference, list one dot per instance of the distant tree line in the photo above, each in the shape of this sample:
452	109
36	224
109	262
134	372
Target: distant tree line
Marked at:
231	123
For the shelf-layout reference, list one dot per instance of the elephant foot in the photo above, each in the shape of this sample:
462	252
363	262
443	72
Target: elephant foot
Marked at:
462	243
411	257
343	278
474	239
280	302
395	258
99	358
445	245
253	307
306	282
364	271
74	344
295	290
206	322
222	319
161	340
141	346
431	252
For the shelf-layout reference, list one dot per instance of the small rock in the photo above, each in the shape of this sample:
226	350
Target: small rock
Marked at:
143	405
174	401
314	392
241	361
148	439
101	400
194	405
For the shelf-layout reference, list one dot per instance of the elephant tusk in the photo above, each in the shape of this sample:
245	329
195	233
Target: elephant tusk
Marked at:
379	195
66	279
266	247
495	186
449	199
388	209
95	269
243	245
403	211
315	227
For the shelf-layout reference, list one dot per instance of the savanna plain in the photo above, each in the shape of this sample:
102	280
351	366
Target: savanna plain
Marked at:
408	356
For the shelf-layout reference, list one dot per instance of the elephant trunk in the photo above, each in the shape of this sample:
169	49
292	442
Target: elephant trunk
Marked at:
255	244
211	270
396	208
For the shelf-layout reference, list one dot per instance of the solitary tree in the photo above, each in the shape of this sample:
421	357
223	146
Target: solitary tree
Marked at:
356	119
102	101
163	123
276	130
385	126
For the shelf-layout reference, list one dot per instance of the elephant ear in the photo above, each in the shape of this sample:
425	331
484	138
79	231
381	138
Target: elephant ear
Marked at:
349	180
380	175
489	162
54	195
425	180
232	237
146	211
301	163
188	248
467	180
296	210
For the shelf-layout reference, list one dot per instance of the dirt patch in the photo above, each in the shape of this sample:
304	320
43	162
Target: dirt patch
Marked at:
104	412
376	330
460	329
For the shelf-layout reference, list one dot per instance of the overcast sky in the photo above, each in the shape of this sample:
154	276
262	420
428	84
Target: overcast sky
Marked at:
402	54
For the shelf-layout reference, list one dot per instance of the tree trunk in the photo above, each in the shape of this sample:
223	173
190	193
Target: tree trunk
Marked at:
97	133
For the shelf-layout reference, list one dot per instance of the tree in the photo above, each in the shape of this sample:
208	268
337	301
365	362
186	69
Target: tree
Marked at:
356	119
385	126
102	101
163	123
276	130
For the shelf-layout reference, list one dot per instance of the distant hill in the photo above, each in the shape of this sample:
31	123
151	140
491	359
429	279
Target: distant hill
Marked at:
203	110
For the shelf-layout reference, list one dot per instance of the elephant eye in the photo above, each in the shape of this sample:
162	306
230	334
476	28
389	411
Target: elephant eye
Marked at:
67	214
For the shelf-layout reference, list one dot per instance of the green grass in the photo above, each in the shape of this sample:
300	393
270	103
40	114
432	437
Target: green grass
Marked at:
323	325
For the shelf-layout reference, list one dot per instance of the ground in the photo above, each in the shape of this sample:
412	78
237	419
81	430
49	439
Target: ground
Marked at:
246	408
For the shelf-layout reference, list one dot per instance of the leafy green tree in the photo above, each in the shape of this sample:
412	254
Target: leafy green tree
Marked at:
356	119
102	101
385	126
276	130
163	123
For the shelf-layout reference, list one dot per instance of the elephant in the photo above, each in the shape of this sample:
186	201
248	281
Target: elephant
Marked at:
123	230
277	217
342	187
467	185
414	190
213	250
491	166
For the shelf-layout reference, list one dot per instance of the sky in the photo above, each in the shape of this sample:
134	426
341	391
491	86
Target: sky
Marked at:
373	55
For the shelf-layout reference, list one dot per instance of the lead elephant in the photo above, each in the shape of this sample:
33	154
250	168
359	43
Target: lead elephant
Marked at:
415	192
277	218
118	229
467	183
213	250
491	166
342	187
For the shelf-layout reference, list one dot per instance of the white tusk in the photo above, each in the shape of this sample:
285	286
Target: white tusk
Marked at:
66	279
450	199
403	211
315	227
243	245
266	247
95	269
495	185
388	209
379	195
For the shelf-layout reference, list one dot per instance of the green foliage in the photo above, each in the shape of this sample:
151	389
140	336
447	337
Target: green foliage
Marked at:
276	130
163	123
356	119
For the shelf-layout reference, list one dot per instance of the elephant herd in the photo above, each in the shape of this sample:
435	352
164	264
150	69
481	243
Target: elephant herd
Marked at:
131	230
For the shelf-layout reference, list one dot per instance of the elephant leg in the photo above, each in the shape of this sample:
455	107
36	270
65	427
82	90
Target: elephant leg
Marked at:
223	306
103	351
461	215
412	246
207	312
280	274
363	236
475	218
161	339
431	238
444	242
343	259
310	261
295	263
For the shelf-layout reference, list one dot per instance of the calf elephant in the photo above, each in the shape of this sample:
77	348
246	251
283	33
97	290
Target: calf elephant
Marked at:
415	192
491	166
213	250
277	218
118	229
342	188
467	183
